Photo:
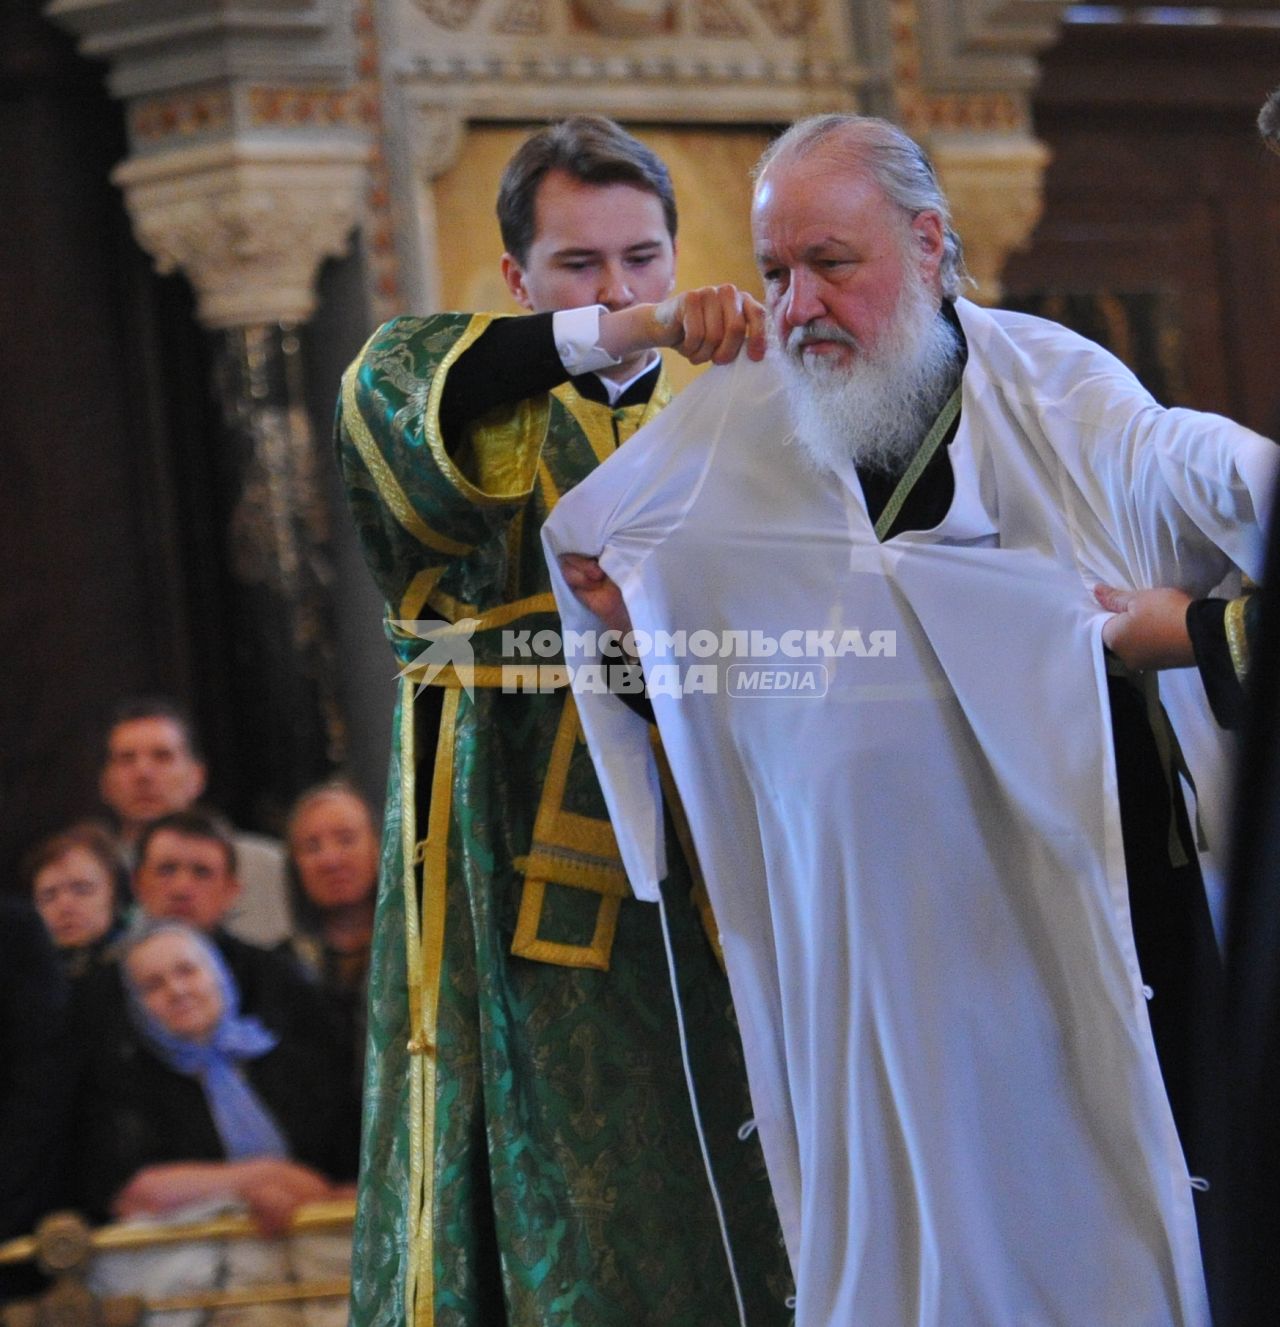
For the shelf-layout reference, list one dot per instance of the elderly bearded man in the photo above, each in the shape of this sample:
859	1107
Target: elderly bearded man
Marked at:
956	886
530	1153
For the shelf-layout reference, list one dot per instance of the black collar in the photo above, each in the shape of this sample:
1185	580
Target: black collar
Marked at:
591	387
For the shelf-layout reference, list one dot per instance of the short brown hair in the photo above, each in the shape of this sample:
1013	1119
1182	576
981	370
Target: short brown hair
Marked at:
192	824
95	840
153	707
591	149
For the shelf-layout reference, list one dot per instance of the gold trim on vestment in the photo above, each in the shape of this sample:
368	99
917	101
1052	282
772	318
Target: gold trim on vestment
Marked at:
388	486
435	867
424	937
594	418
599	422
419	1170
525	675
569	849
550	493
454	610
919	463
415	597
501	450
1237	637
526	943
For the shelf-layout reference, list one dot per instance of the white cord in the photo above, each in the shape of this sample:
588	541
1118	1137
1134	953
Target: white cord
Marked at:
697	1117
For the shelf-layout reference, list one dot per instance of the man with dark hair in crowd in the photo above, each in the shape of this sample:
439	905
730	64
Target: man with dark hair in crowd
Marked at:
152	766
188	871
530	1135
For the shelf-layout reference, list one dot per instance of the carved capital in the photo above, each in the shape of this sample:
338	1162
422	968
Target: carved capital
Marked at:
996	188
437	135
247	223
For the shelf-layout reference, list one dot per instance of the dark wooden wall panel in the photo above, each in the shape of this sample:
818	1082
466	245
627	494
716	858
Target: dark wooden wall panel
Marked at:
1159	184
102	370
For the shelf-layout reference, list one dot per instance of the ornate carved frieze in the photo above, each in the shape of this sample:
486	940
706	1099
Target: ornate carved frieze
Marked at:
159	45
699	61
955	73
985	45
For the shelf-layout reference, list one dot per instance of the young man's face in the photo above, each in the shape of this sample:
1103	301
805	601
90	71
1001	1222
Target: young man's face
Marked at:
593	244
150	771
185	878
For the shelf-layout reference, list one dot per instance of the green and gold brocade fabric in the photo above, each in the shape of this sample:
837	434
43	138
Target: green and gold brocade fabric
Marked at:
528	1155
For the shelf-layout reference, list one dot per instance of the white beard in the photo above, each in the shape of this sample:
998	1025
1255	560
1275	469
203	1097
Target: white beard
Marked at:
876	409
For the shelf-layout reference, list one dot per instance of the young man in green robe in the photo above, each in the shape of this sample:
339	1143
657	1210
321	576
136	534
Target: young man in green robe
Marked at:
530	1153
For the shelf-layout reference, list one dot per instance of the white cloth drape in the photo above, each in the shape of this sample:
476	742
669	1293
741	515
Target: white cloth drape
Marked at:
919	876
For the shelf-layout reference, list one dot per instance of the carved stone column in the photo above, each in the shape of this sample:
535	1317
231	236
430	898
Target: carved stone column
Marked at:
249	167
996	187
962	75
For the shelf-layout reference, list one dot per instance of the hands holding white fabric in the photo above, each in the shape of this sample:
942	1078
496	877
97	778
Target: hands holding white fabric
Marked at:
595	591
1149	629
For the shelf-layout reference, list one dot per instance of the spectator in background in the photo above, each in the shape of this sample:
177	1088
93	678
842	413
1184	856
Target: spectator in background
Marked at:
203	1108
205	1103
333	847
34	1082
79	887
152	767
187	872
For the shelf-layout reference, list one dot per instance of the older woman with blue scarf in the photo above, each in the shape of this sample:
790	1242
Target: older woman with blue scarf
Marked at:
202	1104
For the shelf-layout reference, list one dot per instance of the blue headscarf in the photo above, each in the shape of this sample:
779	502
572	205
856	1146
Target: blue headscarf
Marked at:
244	1124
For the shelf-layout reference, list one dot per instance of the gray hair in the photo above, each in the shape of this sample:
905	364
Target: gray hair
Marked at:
893	159
1269	121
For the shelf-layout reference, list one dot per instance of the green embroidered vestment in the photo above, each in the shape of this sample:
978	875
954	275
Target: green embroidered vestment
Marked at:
528	1155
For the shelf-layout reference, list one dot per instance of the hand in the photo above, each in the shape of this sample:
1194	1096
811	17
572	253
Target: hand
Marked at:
1149	629
274	1190
595	591
149	1192
713	324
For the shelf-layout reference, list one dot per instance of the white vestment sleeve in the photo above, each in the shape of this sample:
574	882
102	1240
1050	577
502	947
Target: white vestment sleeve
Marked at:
1152	496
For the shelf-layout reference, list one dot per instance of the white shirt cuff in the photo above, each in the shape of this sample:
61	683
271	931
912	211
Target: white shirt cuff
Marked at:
577	336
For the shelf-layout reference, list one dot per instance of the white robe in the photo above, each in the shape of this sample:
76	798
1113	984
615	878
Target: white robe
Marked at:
919	877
